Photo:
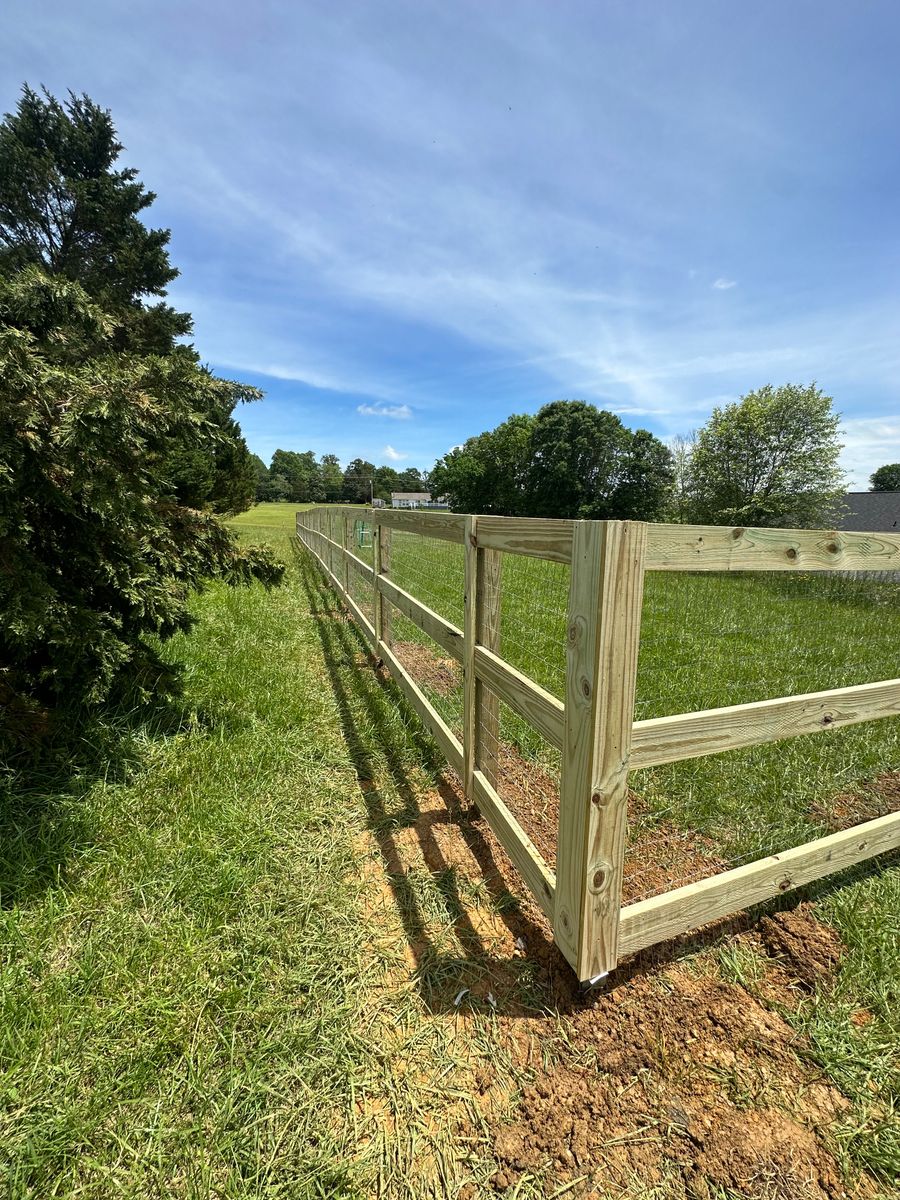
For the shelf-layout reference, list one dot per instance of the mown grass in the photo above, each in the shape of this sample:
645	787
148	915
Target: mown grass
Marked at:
200	996
191	1003
710	640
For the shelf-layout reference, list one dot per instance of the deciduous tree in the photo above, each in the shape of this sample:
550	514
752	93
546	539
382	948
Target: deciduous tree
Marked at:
886	478
770	458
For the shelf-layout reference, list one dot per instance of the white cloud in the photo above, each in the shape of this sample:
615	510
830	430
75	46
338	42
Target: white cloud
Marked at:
397	412
868	444
393	455
722	285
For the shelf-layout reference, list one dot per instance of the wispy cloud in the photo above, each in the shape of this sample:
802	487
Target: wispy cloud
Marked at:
397	412
393	455
449	254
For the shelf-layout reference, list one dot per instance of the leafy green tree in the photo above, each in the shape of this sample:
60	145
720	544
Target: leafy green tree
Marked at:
770	458
571	460
302	472
577	452
66	209
411	480
358	479
332	478
274	487
489	473
387	480
96	551
644	489
886	478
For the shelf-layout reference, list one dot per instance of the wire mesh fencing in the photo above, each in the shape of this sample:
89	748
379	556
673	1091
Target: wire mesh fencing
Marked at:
709	639
712	640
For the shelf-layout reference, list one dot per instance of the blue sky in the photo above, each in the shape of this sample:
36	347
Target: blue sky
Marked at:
406	221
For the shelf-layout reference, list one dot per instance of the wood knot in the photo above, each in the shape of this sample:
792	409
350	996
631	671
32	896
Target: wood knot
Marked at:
597	799
586	688
791	552
737	533
828	719
598	880
832	547
785	885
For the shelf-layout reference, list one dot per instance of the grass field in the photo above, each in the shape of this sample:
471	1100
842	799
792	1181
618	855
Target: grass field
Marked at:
707	640
233	929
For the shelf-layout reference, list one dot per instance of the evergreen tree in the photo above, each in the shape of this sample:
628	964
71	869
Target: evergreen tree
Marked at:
68	210
113	439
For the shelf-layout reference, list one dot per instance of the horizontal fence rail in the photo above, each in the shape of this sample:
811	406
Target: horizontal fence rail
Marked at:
594	728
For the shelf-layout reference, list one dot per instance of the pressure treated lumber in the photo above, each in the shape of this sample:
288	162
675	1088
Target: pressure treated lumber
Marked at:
470	629
430	717
450	527
522	852
713	730
661	917
720	548
602	646
487	702
447	635
539	707
532	536
365	625
381	557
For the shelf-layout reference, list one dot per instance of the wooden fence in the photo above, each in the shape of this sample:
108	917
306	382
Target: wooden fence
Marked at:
594	728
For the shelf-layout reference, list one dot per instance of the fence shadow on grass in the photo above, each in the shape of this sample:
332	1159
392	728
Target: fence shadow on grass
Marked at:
522	986
430	828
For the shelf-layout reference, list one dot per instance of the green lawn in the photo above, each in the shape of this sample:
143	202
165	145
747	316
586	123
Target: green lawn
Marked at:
707	640
206	977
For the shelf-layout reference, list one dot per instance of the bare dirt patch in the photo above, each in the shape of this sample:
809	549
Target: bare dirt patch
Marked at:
441	675
808	950
876	798
675	1076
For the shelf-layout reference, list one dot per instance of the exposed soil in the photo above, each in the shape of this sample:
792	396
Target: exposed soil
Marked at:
877	798
441	675
807	950
676	1077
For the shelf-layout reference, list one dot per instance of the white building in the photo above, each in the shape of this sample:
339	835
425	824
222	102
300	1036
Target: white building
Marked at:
416	500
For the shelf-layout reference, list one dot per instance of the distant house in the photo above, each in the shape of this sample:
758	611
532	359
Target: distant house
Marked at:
416	500
871	512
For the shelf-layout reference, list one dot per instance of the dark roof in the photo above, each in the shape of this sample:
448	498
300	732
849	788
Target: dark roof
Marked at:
871	512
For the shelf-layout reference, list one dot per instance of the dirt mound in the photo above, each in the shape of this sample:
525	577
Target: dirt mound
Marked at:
808	949
673	1075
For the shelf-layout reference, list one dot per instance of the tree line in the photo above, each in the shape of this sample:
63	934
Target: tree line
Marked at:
769	458
304	479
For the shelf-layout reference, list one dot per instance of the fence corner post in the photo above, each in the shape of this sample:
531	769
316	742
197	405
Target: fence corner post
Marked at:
602	641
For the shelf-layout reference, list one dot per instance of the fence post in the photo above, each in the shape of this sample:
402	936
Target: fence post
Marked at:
603	636
345	542
481	707
381	561
470	637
